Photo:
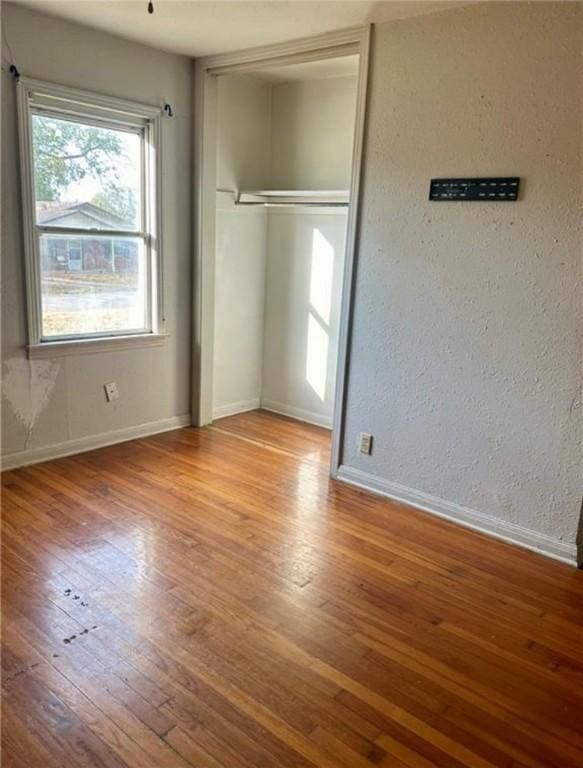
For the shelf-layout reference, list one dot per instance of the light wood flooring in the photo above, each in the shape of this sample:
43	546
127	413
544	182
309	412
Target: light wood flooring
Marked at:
210	598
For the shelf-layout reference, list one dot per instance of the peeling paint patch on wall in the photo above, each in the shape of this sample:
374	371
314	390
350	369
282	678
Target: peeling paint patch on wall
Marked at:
27	386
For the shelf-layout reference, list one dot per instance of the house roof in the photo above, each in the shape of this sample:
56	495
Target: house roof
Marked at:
56	213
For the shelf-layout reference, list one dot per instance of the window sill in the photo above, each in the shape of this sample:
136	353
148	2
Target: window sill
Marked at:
95	346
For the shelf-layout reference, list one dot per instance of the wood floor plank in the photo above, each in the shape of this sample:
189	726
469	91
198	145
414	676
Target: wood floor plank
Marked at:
209	597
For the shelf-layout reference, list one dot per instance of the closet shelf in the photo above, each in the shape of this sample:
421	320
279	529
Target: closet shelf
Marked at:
274	197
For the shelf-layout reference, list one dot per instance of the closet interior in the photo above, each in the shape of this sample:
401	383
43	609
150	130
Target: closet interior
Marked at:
284	158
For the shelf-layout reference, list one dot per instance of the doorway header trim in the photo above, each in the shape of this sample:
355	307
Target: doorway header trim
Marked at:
329	45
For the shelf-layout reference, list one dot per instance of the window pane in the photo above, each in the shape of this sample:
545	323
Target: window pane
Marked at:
92	285
85	176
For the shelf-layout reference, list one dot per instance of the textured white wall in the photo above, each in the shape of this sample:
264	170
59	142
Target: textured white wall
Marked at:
312	132
154	383
465	360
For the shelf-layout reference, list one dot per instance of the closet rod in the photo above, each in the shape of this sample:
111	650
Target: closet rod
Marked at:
296	203
290	197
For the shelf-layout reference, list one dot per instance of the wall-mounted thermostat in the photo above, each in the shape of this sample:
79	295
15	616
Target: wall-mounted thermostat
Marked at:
486	190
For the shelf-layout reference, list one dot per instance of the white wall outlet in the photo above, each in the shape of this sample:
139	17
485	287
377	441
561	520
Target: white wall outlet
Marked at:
365	443
111	391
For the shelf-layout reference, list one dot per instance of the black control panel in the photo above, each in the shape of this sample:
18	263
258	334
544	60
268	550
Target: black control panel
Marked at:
487	190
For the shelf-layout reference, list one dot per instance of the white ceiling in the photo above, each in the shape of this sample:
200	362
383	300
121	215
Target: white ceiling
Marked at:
200	27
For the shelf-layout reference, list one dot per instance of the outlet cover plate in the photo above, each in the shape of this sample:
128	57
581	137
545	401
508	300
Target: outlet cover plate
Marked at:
111	391
365	443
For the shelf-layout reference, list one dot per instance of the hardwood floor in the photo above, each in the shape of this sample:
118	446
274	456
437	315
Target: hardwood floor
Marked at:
210	598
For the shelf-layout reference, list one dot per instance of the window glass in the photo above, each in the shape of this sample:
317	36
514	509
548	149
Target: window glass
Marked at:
92	285
85	176
91	218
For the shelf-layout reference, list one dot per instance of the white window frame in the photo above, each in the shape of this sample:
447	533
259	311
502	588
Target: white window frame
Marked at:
38	97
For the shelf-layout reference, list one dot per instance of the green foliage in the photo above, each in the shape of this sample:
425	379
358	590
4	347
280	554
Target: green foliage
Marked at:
118	200
66	152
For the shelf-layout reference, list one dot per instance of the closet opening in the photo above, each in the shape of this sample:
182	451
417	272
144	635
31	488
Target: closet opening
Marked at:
280	153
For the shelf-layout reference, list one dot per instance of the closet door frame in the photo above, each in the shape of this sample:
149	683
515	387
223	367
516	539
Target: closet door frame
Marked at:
206	72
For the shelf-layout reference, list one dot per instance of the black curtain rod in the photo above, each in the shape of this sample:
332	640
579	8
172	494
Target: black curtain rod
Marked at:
14	71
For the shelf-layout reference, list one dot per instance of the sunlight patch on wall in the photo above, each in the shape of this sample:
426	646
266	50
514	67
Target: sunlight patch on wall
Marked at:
322	276
317	357
321	280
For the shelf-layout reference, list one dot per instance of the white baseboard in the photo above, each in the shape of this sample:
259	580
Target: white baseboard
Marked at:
297	413
233	408
89	443
470	518
271	405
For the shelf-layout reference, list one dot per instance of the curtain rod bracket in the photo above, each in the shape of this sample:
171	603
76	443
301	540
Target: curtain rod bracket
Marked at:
14	71
168	110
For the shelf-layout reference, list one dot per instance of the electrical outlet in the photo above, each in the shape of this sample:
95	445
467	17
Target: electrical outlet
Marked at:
111	391
365	443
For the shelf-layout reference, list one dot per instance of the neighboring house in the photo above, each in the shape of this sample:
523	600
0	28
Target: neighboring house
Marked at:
69	253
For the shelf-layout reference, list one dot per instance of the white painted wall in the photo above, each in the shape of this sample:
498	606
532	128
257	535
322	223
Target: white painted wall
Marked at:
243	132
243	138
154	383
312	132
239	301
295	135
465	360
312	129
302	312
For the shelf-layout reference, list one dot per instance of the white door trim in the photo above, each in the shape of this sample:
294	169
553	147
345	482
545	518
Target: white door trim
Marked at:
346	301
319	47
344	42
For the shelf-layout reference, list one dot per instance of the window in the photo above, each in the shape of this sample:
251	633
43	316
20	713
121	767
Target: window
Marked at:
90	170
